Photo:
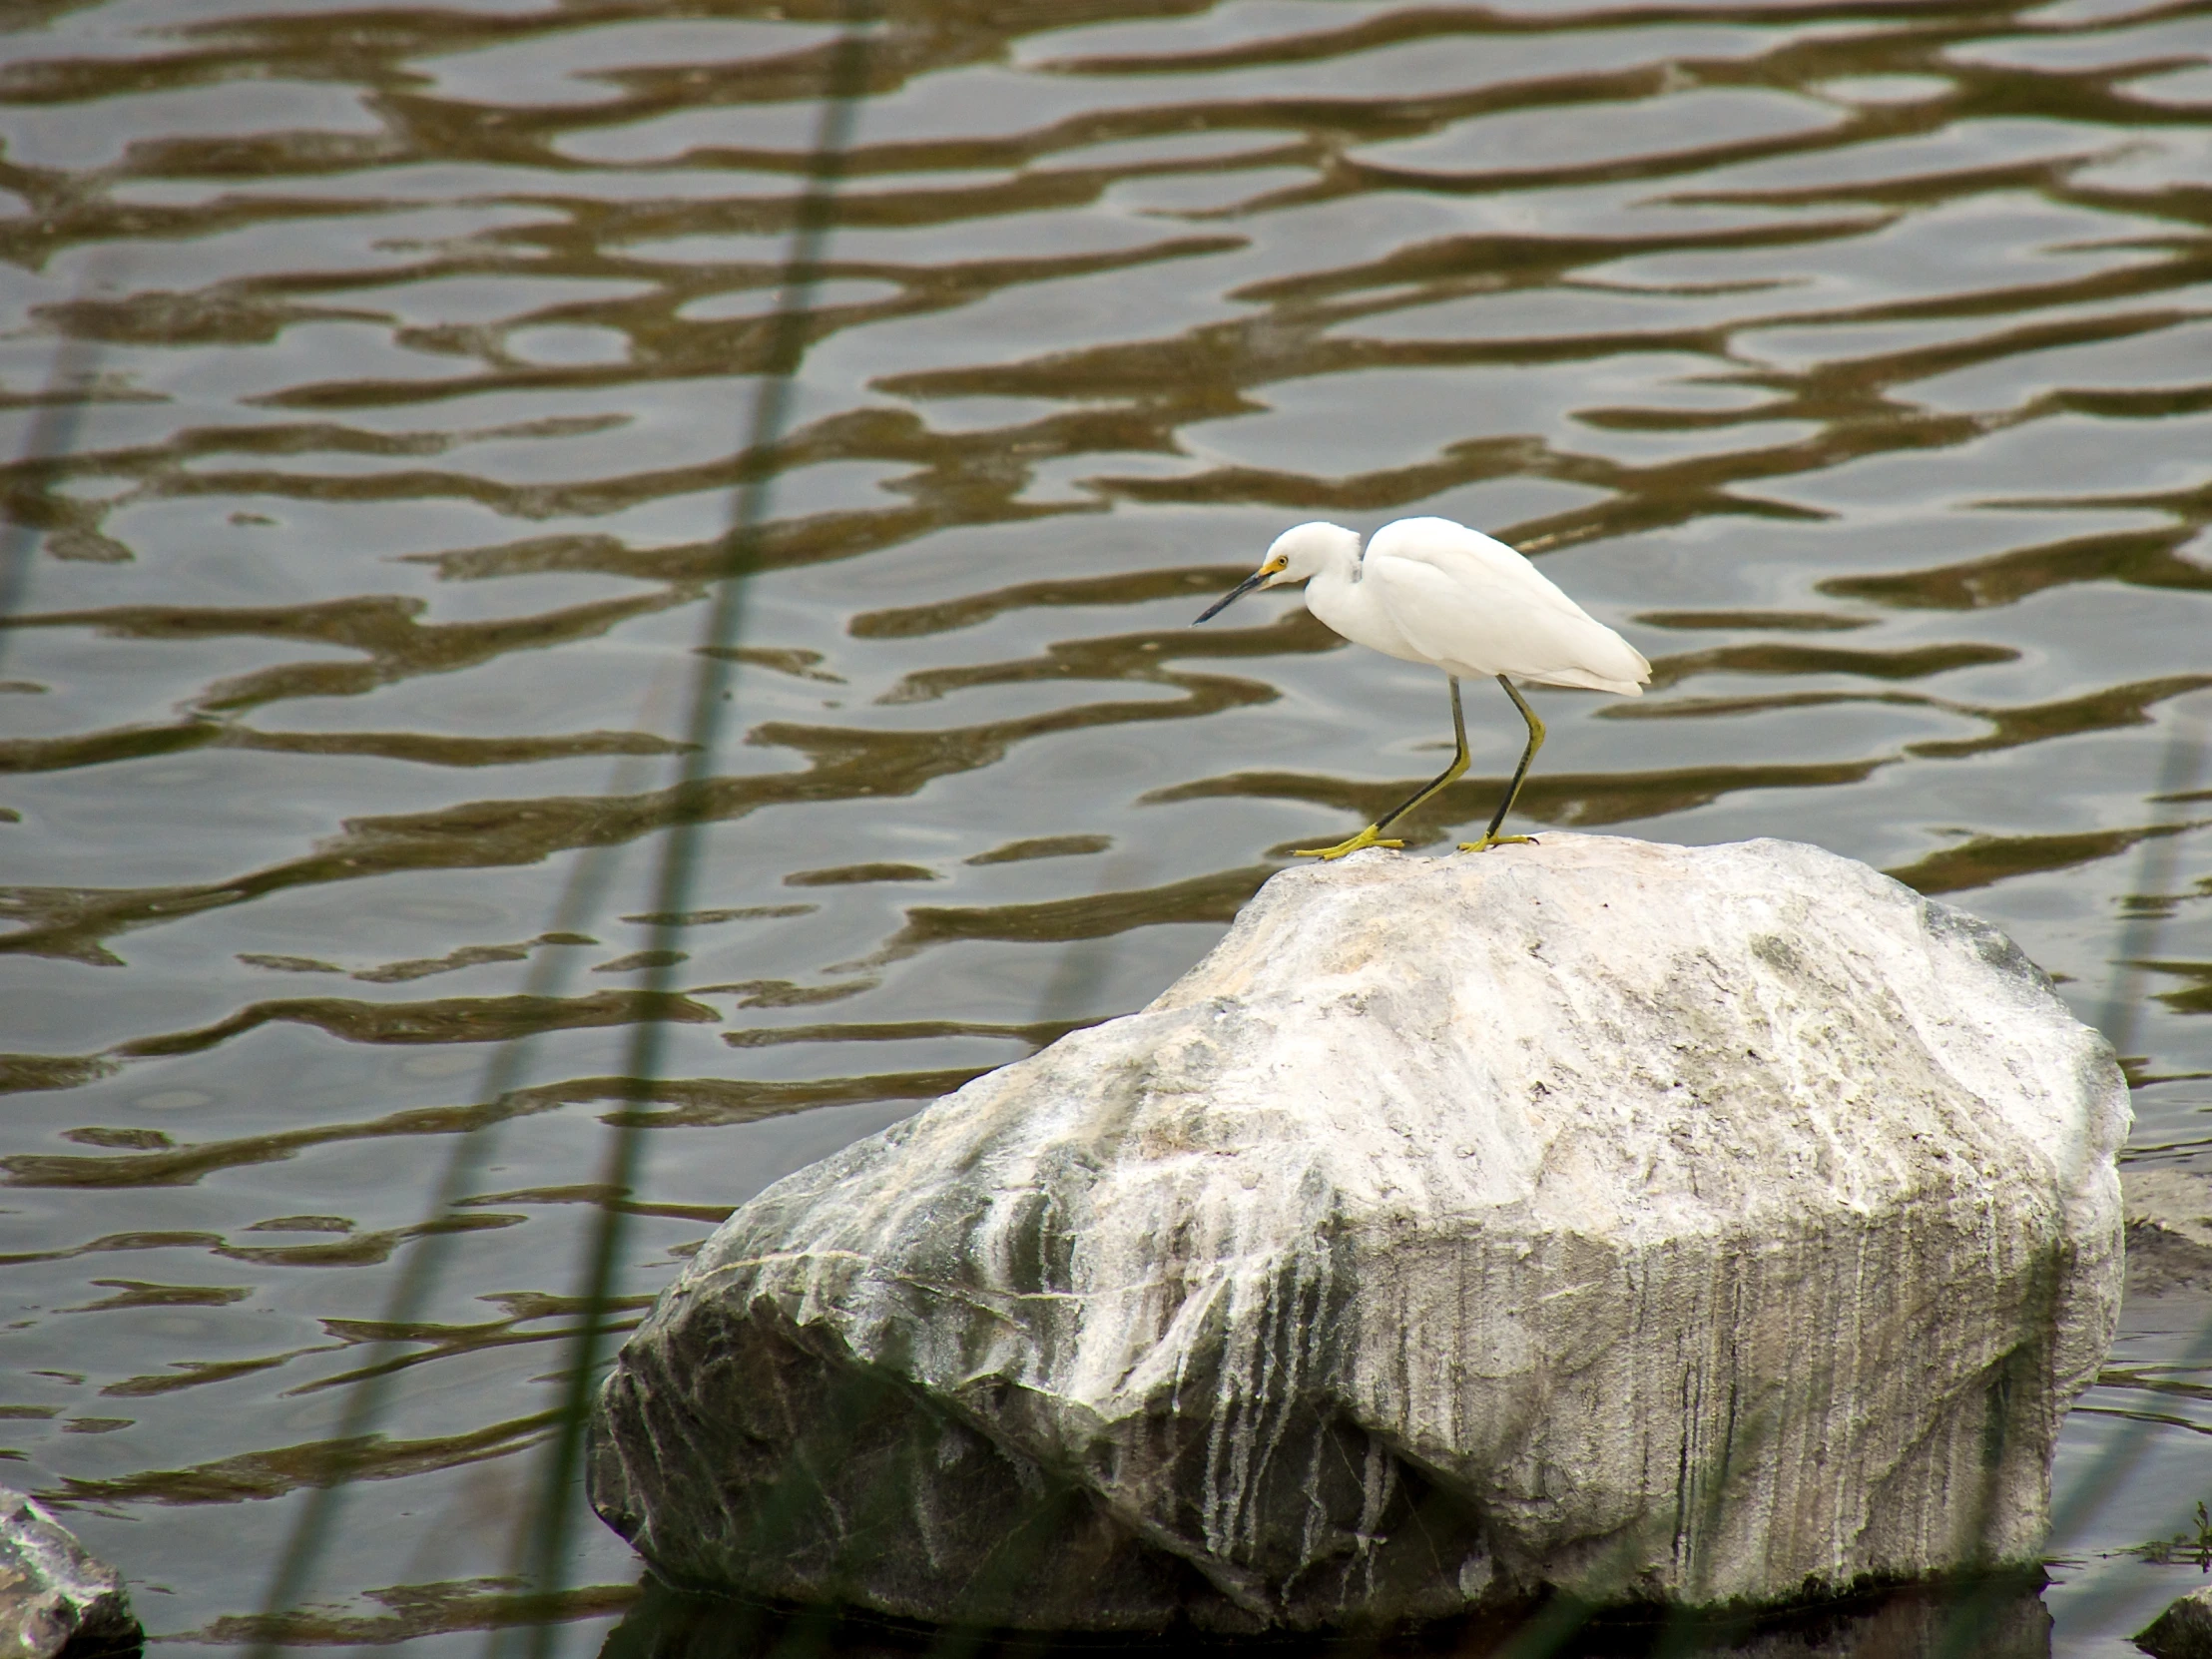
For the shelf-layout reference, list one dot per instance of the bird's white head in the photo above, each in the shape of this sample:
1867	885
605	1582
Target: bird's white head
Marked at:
1302	550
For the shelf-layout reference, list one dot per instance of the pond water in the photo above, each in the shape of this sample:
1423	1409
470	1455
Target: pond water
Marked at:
386	385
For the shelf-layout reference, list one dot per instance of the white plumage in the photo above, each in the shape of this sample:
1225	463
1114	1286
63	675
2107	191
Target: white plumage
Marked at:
1426	590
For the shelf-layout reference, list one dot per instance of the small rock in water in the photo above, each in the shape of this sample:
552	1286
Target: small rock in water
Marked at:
53	1592
1709	1225
2182	1631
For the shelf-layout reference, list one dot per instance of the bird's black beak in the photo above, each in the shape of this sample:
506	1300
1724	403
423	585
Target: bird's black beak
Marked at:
1233	595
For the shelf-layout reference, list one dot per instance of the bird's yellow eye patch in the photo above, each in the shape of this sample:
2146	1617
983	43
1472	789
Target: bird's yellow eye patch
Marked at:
1273	564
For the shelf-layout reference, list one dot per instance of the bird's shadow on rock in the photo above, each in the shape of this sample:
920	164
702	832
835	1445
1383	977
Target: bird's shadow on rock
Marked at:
2000	1618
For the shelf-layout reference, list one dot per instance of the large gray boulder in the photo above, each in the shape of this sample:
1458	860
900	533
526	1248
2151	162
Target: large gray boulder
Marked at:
1649	1223
53	1591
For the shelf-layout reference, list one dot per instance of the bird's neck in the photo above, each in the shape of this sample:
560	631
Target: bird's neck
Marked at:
1329	587
1338	575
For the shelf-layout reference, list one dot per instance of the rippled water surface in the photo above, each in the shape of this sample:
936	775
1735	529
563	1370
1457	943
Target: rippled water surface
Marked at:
379	381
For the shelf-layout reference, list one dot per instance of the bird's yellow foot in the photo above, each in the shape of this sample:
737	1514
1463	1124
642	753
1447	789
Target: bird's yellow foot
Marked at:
1489	842
1366	838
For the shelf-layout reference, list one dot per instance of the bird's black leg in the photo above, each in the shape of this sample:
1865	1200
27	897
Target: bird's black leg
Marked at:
1450	774
1491	836
1371	835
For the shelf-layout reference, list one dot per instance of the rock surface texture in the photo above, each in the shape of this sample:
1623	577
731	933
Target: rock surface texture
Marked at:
2182	1631
1704	1224
52	1591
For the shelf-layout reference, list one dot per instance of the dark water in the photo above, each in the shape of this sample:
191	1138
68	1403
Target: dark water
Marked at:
379	378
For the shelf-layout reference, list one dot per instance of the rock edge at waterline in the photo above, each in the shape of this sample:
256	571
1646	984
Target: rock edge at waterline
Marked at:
1705	1224
2182	1631
53	1592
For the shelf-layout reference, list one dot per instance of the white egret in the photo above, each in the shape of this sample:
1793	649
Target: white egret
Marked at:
1426	590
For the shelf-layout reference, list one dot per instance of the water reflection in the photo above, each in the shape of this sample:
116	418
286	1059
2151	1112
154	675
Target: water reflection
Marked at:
2008	1622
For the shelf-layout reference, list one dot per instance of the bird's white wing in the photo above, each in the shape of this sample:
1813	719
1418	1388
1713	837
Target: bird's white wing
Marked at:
1474	605
1472	560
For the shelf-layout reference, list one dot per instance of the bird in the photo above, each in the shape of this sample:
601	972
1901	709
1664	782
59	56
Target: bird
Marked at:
1428	590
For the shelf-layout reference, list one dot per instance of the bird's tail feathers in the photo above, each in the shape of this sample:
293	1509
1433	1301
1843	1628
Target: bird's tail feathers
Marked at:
1609	664
1587	680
